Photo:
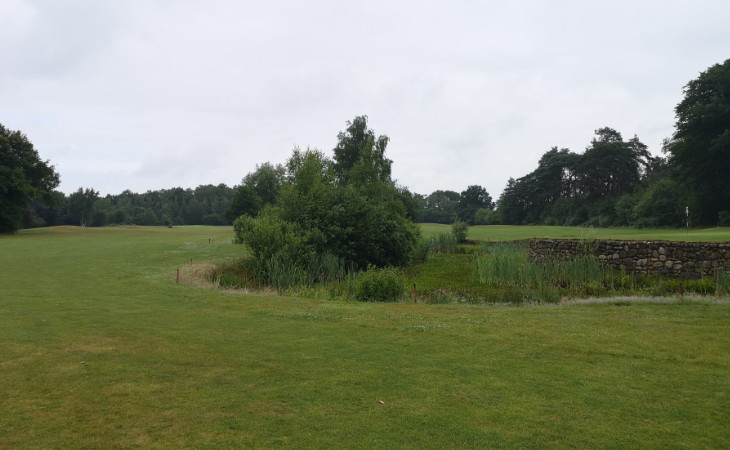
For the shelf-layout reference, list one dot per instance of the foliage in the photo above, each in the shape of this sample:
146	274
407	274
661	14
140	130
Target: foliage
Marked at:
359	156
471	200
700	147
380	285
662	205
245	202
414	203
421	251
572	189
471	206
484	216
724	218
81	205
441	207
204	205
722	286
507	264
273	240
258	189
443	243
24	178
459	230
502	273
346	207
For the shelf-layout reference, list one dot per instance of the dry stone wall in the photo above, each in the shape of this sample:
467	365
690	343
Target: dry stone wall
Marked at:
674	259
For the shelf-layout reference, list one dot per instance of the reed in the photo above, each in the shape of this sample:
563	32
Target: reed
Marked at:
507	264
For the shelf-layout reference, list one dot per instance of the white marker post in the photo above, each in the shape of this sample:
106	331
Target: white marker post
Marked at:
686	212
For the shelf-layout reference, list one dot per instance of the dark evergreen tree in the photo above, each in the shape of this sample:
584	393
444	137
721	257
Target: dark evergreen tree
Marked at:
700	147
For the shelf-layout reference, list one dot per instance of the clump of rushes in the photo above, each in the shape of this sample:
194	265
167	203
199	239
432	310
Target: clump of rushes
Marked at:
507	264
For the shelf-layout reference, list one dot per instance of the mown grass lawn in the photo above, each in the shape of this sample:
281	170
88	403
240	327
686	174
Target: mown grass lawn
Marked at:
100	347
511	233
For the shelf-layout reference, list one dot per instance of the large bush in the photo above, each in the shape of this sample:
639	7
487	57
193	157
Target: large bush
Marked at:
347	207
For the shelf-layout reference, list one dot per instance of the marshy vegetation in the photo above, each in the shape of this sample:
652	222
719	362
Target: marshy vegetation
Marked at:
447	271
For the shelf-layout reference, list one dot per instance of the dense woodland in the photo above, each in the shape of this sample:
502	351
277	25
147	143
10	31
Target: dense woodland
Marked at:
204	205
614	182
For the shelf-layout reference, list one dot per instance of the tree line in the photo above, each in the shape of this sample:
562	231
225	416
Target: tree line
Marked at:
204	205
614	182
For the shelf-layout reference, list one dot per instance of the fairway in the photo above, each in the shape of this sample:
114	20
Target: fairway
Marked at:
100	347
512	232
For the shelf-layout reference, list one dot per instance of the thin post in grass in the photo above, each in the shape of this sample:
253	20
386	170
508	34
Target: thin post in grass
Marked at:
415	294
178	276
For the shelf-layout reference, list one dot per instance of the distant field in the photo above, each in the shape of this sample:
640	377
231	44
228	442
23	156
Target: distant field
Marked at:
100	347
509	233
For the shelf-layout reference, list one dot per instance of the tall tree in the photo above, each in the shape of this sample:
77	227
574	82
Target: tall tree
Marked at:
360	155
514	203
23	178
259	188
472	199
612	167
81	205
700	146
441	207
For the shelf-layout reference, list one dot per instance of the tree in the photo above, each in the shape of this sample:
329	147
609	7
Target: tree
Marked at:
259	188
441	207
700	146
612	167
24	177
360	155
413	202
555	176
345	207
245	202
472	199
570	189
81	205
662	205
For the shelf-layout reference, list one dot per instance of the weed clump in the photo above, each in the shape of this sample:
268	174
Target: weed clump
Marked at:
380	285
460	230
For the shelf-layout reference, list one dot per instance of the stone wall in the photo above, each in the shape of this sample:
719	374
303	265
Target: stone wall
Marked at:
674	259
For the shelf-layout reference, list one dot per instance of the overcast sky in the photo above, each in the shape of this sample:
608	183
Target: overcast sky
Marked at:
155	94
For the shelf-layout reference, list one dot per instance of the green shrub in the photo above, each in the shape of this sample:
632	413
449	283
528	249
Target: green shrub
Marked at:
460	230
383	285
273	240
420	251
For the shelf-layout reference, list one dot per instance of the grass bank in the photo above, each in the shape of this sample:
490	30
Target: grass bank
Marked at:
101	348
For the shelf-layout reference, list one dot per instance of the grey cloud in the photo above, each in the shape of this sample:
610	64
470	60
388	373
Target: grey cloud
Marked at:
156	94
